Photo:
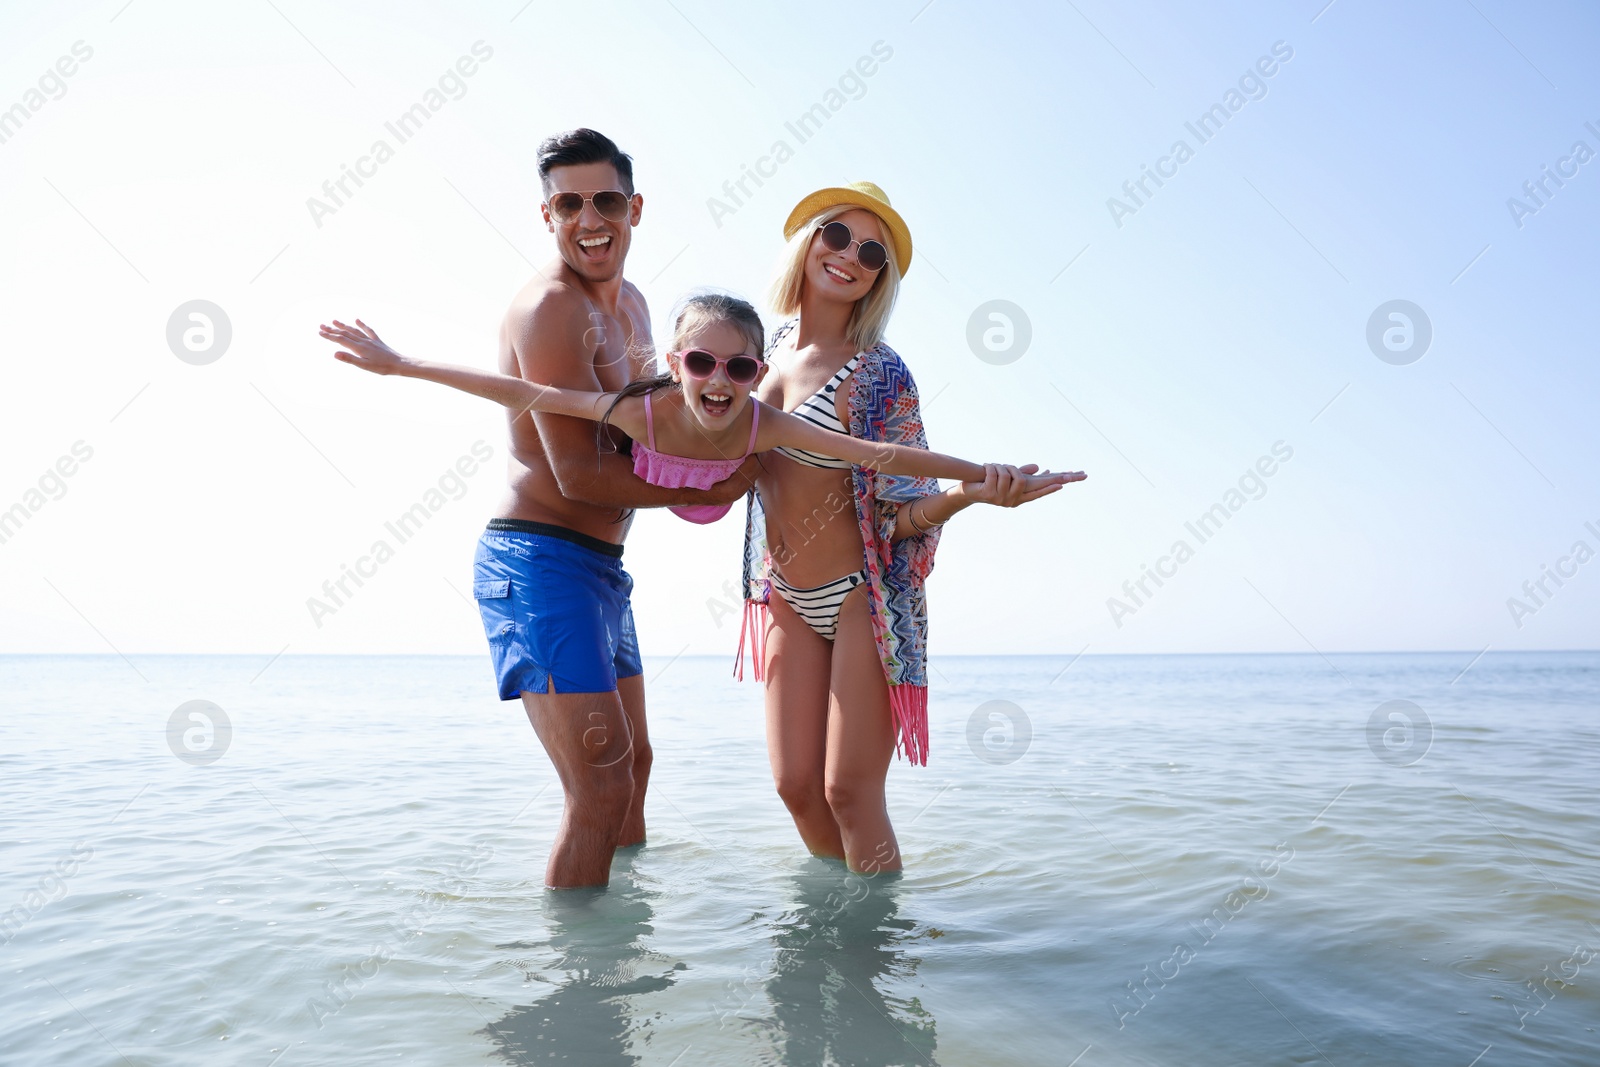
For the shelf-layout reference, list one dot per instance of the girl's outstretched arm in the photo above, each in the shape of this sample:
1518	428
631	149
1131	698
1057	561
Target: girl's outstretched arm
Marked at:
980	483
365	349
780	429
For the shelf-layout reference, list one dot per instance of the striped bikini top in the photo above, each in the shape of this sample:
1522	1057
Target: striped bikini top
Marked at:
819	409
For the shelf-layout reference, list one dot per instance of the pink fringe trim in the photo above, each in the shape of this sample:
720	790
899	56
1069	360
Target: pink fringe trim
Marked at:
755	621
909	705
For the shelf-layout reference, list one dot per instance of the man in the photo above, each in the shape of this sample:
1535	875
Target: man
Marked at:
549	576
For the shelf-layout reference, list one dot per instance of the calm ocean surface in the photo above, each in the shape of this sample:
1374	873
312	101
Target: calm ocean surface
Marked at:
1173	860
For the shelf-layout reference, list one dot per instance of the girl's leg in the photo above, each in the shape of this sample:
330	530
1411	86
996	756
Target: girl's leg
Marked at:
860	743
797	671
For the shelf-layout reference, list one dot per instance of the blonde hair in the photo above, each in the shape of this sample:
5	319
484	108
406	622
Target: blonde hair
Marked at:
870	317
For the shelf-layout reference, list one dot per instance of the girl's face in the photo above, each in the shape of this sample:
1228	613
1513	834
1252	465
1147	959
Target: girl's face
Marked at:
714	402
840	275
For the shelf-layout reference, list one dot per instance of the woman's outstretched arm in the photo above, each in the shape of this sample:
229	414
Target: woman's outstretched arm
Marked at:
365	349
1001	485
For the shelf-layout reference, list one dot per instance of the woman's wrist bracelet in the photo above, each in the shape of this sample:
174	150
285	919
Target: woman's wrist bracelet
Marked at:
912	515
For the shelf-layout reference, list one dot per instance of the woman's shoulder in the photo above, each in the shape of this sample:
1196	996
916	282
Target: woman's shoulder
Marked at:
883	353
885	366
777	334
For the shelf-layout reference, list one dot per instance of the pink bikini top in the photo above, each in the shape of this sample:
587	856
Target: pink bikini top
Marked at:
681	472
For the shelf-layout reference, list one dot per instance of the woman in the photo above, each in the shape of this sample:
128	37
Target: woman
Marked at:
842	646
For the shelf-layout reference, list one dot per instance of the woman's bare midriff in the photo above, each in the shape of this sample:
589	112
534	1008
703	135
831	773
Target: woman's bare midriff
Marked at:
811	521
812	529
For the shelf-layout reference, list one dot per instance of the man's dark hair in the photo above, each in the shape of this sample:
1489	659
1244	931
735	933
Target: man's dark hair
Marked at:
583	146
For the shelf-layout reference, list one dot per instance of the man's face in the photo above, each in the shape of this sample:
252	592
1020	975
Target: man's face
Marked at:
590	243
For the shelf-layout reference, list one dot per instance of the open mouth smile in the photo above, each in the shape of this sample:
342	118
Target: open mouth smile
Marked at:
836	272
595	247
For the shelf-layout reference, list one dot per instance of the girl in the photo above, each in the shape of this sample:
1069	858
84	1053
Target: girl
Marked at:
697	423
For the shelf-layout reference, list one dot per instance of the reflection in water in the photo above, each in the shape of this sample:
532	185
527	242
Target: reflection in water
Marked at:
831	954
597	937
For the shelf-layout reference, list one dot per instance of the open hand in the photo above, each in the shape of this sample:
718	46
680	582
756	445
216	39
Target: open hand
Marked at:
365	348
1007	486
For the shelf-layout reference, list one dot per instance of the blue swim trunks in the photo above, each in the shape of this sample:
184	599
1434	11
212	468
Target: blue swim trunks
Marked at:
555	607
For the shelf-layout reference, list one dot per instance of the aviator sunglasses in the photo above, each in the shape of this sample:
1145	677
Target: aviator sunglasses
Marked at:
698	363
836	237
610	203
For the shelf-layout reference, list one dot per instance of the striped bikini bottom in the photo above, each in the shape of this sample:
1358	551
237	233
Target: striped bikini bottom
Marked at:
819	605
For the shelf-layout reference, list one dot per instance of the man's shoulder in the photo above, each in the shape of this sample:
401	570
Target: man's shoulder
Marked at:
546	296
634	299
548	315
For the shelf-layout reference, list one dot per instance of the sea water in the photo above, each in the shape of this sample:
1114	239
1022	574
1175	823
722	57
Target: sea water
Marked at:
1186	860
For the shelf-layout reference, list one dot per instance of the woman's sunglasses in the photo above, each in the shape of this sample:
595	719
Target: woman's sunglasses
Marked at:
698	363
836	237
610	203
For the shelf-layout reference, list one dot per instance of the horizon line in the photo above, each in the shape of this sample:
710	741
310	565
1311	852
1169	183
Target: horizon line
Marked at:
943	655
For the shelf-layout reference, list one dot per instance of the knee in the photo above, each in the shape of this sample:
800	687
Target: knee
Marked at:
849	800
800	794
643	758
602	792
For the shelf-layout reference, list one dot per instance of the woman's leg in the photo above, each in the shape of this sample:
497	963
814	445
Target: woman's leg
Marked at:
860	742
797	673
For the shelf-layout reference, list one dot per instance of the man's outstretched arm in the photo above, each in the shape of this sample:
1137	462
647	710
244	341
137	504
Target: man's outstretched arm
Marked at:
552	348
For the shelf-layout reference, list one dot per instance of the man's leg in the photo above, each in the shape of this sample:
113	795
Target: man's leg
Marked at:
631	690
590	740
553	609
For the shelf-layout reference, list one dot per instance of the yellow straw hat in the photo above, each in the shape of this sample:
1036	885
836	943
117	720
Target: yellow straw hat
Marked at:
863	195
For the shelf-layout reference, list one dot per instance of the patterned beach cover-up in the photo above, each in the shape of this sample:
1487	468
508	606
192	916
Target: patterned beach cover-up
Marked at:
884	408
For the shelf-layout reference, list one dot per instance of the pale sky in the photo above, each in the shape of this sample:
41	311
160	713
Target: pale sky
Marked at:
1176	338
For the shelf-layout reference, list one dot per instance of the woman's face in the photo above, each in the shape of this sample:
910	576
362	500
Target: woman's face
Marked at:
840	275
716	401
